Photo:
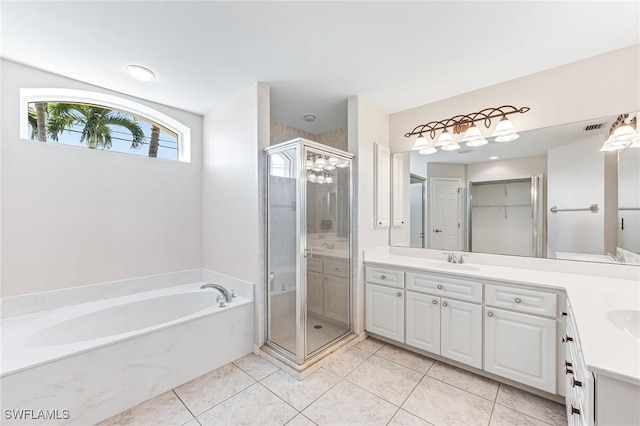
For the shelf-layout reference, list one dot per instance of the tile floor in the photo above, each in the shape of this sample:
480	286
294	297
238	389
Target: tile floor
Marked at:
370	384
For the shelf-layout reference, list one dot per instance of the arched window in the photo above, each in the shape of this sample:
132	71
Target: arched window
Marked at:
101	122
282	165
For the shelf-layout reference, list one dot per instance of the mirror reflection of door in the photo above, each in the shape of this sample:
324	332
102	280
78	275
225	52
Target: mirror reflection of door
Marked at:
417	211
444	211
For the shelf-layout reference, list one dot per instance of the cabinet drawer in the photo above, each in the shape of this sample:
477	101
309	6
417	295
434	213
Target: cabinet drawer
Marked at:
446	287
336	268
385	276
521	300
314	265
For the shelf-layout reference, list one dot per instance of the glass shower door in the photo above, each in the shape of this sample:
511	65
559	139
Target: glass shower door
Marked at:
283	249
327	247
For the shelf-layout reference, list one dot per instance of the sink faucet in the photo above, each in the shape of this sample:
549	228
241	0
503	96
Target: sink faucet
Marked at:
225	293
451	258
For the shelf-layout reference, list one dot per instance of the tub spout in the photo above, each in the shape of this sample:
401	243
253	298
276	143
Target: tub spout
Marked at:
225	293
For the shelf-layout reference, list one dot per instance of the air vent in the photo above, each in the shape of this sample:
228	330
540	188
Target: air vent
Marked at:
593	127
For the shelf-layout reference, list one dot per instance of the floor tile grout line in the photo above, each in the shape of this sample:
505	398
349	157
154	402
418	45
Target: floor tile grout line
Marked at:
459	388
228	398
402	365
493	407
322	394
182	402
409	396
278	396
525	414
391	418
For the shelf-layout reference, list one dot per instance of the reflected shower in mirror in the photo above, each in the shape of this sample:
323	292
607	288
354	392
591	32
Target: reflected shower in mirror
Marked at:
557	192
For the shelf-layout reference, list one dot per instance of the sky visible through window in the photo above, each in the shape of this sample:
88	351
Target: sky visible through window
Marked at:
121	137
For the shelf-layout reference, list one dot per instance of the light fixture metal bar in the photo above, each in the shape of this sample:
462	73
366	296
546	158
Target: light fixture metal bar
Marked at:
461	121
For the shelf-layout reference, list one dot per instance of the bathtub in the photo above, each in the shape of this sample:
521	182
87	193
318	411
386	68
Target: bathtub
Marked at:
95	359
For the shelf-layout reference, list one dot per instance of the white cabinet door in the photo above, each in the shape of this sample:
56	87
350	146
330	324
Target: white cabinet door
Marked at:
314	293
398	177
382	189
336	298
461	332
385	311
423	321
521	347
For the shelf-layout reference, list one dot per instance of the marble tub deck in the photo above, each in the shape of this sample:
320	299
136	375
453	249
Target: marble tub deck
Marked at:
370	384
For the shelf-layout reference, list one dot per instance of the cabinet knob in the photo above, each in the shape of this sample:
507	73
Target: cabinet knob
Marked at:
518	300
398	294
574	410
439	286
567	339
490	314
568	370
564	314
444	303
434	301
568	364
382	277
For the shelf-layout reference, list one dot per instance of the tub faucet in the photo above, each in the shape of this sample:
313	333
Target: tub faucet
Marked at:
225	293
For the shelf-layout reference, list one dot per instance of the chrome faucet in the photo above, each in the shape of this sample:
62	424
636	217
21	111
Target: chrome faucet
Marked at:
226	295
451	258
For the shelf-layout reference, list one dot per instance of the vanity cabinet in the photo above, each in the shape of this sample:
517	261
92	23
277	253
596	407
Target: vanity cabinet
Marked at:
328	287
442	325
518	345
385	311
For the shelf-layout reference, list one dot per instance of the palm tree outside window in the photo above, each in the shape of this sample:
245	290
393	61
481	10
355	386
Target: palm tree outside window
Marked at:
100	128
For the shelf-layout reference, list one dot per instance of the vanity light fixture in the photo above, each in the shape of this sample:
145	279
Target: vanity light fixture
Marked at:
140	73
622	134
465	124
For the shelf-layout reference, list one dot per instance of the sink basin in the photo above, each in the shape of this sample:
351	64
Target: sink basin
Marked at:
457	266
627	320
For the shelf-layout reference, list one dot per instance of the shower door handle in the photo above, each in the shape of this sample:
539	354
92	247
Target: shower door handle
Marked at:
437	230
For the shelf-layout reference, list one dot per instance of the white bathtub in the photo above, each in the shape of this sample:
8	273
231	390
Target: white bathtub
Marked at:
99	358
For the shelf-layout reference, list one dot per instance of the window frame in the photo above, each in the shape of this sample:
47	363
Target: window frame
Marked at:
31	95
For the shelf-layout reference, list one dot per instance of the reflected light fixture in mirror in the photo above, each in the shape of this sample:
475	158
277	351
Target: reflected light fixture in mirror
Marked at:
623	133
472	136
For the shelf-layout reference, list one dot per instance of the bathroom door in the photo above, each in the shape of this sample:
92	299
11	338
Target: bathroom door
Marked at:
445	210
326	248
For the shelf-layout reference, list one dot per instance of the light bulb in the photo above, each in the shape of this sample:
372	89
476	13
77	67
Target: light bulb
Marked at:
309	165
330	166
333	160
311	177
450	147
428	150
320	162
343	164
329	179
320	179
477	142
504	127
472	133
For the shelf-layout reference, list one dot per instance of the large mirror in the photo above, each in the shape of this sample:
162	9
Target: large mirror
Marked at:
551	193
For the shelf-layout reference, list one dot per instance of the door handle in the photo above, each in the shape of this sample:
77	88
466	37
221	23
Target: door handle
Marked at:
437	230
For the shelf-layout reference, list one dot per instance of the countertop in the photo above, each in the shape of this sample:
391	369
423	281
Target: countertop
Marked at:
607	349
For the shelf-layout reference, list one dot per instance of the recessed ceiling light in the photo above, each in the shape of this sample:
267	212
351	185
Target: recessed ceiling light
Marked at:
309	117
140	73
493	158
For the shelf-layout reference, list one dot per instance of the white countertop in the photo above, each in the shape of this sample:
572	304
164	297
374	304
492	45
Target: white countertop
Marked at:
607	349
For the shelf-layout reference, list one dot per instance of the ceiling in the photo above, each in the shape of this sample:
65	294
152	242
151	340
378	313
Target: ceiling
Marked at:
313	55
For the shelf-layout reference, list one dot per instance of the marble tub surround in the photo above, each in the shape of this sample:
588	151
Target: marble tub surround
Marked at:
153	341
592	293
327	398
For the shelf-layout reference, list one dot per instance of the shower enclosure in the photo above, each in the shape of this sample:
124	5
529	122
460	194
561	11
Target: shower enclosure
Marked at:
308	248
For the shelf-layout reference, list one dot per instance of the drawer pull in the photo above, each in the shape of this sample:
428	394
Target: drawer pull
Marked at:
567	339
398	294
518	300
439	286
444	303
574	410
490	314
568	371
434	301
564	314
382	277
575	383
568	364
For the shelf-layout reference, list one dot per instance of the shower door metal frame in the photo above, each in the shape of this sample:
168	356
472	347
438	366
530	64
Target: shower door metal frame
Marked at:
302	146
538	223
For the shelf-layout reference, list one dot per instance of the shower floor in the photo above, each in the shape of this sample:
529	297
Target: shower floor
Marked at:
319	332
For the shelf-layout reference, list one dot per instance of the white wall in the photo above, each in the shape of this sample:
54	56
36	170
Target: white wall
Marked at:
73	216
233	189
600	86
507	169
368	124
576	184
